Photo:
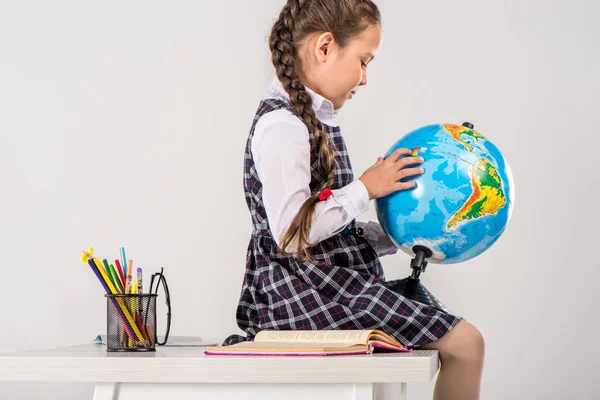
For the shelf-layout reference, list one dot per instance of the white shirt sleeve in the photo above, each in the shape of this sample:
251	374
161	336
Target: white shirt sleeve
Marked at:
377	238
281	152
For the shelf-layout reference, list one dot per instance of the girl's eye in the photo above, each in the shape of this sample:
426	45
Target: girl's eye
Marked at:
364	64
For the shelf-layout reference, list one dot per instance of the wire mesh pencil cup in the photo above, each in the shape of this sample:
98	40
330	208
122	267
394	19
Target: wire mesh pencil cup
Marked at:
131	318
131	322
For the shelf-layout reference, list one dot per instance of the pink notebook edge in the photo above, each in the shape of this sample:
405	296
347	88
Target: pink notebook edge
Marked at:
383	346
374	346
214	353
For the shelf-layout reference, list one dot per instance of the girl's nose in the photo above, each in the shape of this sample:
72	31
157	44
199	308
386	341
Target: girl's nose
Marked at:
363	81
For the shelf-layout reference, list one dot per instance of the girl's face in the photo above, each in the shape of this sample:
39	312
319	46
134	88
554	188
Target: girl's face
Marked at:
336	73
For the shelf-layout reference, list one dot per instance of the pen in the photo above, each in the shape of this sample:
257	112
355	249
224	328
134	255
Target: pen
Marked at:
140	288
132	299
130	275
128	285
139	280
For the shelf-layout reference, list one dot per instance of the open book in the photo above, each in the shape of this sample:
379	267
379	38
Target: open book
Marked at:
311	343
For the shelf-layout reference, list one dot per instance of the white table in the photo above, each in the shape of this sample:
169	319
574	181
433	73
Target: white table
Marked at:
182	373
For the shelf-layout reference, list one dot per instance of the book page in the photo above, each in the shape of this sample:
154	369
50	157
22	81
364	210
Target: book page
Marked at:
288	346
327	336
380	336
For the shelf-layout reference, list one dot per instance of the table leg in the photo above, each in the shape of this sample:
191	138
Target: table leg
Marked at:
105	391
390	391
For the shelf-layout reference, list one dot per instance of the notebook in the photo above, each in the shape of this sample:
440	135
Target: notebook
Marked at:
312	343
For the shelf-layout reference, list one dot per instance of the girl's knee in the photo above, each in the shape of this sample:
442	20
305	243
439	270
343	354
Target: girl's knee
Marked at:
475	345
464	343
469	343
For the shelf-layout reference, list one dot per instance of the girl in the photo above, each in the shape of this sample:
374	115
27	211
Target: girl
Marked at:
310	264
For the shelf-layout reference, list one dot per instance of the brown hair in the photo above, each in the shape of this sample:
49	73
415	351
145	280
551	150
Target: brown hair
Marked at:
345	19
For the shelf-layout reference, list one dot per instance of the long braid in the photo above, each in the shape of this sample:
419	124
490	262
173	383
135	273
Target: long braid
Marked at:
284	57
344	19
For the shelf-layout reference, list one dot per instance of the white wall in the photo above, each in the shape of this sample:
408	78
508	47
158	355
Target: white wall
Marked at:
124	124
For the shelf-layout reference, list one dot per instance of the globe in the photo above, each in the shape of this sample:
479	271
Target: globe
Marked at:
460	205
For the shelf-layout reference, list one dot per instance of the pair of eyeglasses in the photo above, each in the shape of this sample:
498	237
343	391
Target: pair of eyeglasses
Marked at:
161	279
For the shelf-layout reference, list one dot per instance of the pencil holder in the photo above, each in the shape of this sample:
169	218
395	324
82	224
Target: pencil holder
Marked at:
131	322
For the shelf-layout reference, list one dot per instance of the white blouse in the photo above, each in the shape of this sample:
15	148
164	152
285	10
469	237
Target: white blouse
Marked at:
281	152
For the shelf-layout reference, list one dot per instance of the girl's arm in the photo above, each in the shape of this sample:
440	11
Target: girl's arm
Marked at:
281	152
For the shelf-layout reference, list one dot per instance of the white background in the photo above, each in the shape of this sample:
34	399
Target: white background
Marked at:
123	123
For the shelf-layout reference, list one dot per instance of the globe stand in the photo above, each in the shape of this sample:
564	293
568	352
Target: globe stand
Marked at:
411	287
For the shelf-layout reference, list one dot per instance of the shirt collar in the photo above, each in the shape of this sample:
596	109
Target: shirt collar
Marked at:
323	108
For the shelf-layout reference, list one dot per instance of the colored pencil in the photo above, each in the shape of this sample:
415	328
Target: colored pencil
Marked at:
124	310
120	270
124	260
117	278
107	269
122	317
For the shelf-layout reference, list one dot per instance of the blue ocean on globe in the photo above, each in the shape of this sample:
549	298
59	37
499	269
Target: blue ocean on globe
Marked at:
460	205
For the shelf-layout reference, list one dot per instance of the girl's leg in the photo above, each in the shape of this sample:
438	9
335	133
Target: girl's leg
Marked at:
461	353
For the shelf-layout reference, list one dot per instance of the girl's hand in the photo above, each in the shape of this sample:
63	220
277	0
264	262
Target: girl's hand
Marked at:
383	177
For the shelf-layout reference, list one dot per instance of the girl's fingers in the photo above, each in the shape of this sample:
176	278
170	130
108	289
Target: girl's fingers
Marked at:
405	172
404	185
397	154
403	162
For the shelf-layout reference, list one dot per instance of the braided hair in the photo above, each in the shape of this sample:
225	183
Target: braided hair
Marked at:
345	19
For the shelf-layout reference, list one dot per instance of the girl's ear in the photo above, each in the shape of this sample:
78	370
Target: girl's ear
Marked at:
324	46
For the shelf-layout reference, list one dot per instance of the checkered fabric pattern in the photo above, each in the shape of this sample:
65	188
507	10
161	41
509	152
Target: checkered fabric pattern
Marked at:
343	291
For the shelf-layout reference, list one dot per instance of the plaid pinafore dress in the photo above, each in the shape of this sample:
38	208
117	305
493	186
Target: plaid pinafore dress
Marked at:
343	292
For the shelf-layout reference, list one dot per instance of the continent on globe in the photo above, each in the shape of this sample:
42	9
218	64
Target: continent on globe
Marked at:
457	131
487	197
